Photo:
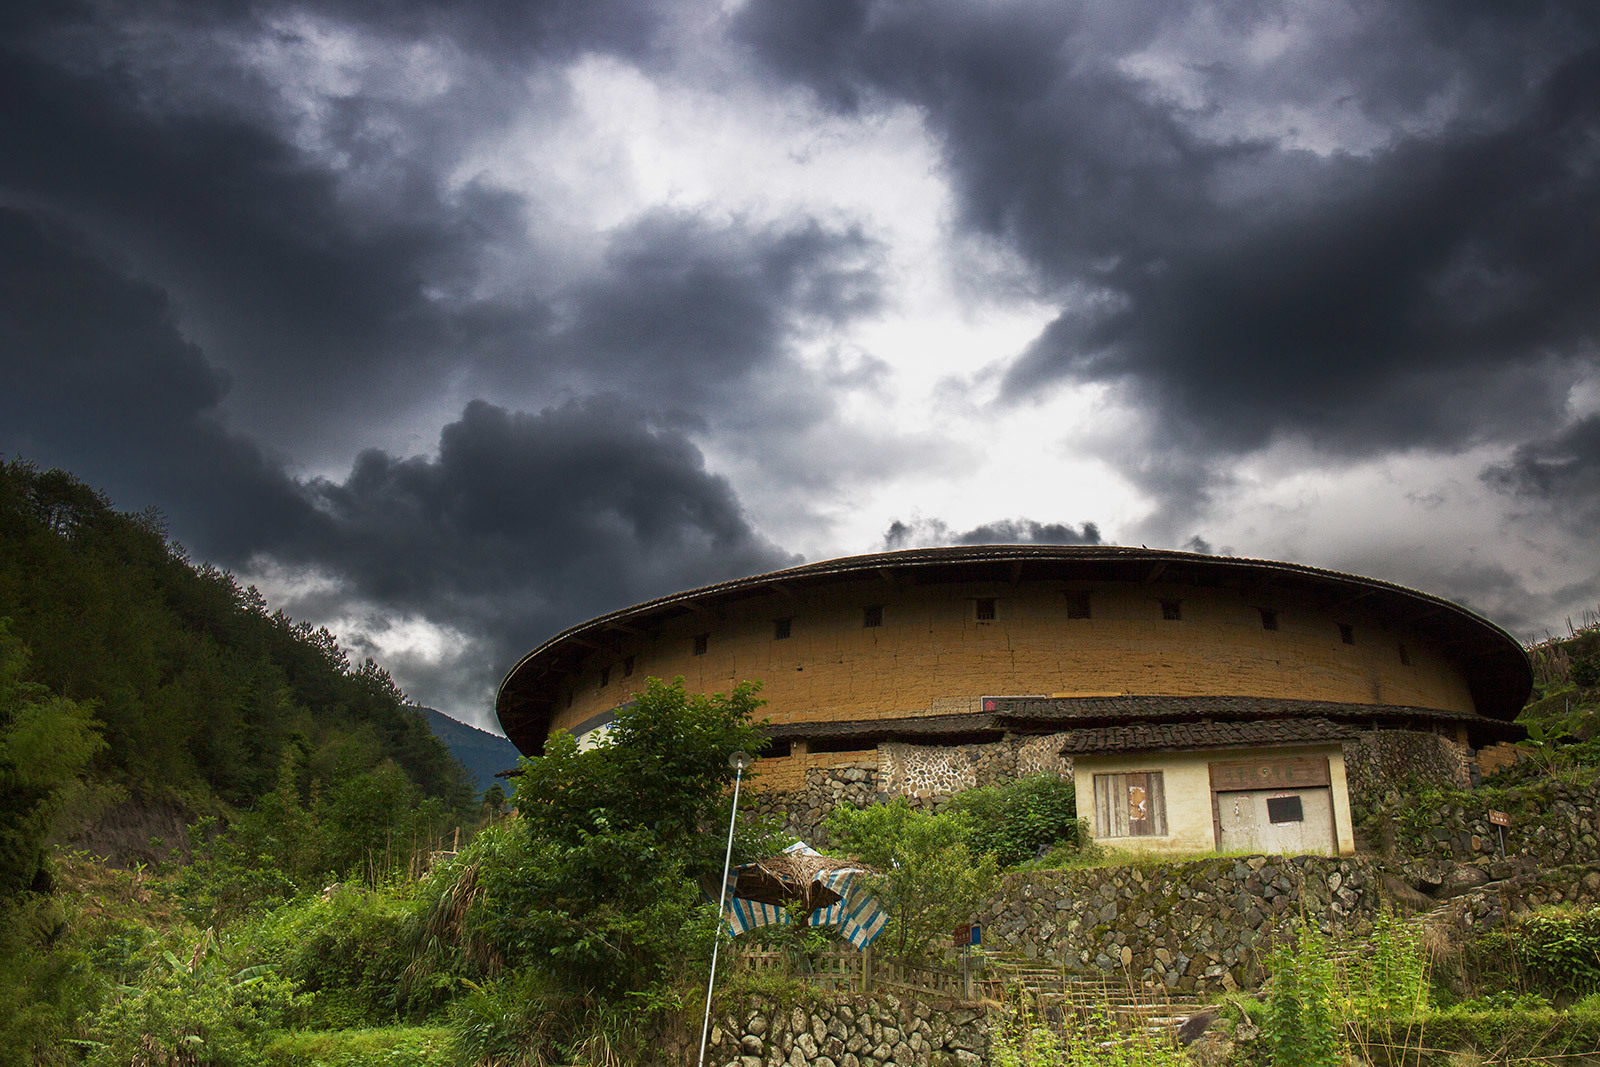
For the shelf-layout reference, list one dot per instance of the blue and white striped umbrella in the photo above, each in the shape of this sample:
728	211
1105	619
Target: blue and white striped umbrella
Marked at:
855	913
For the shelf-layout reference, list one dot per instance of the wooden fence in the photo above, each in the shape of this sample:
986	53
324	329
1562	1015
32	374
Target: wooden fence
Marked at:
848	971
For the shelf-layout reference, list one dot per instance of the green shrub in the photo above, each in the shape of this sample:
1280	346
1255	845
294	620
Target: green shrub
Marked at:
1016	820
202	1012
1390	979
1301	1024
347	948
1561	949
1585	671
928	880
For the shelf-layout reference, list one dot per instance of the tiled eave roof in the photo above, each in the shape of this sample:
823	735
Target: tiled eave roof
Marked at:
1184	736
1064	709
1041	715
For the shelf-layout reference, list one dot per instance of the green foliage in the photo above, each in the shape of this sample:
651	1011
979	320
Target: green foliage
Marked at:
1016	820
1092	1041
395	1046
928	881
201	1011
1301	1024
1560	949
46	742
1390	979
370	825
599	884
1585	671
199	690
527	1020
348	948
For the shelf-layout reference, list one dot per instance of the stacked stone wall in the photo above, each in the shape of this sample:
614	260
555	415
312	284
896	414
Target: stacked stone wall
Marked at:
1200	925
1552	823
1382	761
845	1030
926	776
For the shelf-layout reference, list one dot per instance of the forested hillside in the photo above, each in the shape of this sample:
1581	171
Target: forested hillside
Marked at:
482	753
201	693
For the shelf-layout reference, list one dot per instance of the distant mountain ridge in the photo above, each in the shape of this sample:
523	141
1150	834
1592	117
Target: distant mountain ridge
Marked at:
481	752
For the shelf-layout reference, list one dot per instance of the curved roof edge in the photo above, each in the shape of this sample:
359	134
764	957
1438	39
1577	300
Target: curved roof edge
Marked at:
1497	669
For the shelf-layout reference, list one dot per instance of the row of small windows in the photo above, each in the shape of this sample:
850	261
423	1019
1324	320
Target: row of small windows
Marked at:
985	610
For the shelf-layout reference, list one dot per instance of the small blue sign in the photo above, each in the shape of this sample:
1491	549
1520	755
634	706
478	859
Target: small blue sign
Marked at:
977	934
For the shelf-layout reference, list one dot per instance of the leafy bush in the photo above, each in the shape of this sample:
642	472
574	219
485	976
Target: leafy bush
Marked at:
1585	672
598	880
1390	979
1301	1024
349	949
928	881
1561	949
1017	819
196	1012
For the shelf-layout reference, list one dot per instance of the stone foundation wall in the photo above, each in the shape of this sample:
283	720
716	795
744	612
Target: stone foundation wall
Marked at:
846	1030
940	770
1380	761
1552	823
1199	925
925	775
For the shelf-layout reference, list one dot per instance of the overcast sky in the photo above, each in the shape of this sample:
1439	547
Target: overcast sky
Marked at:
452	324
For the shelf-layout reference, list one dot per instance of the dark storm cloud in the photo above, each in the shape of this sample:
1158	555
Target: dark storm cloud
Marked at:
683	310
526	523
98	379
1562	469
522	524
1436	289
922	533
313	303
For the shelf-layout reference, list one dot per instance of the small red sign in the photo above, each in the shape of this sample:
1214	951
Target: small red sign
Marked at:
1499	818
990	703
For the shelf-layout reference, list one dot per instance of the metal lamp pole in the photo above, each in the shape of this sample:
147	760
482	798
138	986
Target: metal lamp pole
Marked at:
738	761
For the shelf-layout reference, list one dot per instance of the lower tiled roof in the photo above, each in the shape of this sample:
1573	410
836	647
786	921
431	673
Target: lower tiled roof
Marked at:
1178	736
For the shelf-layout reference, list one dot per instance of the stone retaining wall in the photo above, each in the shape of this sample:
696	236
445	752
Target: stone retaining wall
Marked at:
1552	823
1378	761
1485	908
848	1030
1190	926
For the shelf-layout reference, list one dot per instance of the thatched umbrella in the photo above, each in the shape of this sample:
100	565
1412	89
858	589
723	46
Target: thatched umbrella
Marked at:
792	878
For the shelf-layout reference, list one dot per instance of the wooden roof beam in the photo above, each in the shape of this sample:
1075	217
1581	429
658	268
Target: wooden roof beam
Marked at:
1155	572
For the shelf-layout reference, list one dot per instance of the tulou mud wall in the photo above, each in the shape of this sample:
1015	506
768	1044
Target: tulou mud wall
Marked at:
1189	926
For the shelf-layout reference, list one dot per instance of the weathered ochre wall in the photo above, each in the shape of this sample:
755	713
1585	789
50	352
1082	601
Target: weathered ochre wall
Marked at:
1186	780
932	656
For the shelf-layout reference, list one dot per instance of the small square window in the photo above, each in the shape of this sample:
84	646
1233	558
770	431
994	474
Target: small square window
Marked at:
872	615
605	677
984	609
1269	619
782	628
701	641
1285	809
627	667
1077	605
1347	633
1172	610
1405	656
